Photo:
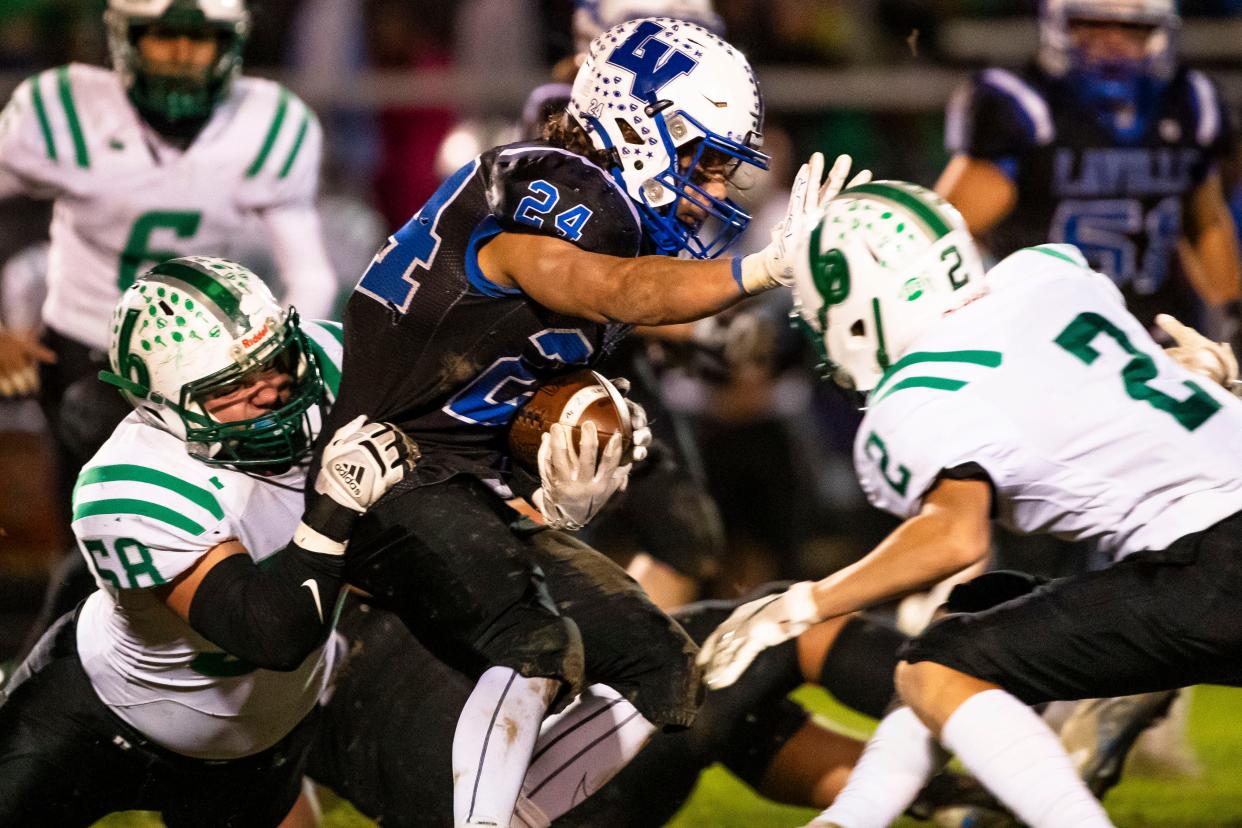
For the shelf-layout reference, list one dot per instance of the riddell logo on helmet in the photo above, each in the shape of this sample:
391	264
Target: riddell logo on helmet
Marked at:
248	341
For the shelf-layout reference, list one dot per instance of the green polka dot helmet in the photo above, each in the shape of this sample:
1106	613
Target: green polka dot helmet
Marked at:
196	328
886	261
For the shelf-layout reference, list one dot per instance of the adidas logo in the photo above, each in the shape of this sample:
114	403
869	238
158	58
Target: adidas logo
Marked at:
351	475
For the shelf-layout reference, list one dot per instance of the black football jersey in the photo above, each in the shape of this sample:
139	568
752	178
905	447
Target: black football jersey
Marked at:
1121	201
435	347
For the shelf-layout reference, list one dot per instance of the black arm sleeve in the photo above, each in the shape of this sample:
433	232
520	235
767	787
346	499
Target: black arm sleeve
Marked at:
274	615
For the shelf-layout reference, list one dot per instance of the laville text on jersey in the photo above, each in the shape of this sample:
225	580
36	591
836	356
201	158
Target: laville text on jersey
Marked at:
1115	172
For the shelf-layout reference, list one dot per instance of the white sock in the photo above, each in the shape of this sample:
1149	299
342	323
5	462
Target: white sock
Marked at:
1013	753
894	767
495	734
581	748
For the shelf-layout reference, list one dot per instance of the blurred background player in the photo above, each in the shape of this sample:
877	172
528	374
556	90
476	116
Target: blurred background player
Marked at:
1109	143
170	152
188	682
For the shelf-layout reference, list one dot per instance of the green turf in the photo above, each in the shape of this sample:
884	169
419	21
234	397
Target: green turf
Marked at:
720	801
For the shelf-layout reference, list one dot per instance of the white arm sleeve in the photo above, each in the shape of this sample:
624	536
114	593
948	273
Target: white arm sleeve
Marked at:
302	259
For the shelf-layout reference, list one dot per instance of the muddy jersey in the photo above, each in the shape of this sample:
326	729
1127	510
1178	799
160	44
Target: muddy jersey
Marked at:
1120	199
1085	428
435	347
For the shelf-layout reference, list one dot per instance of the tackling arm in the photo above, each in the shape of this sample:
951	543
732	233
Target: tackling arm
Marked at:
951	532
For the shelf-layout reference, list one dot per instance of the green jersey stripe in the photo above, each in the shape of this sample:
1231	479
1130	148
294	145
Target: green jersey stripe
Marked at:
334	328
71	115
281	106
988	359
935	223
331	373
131	506
935	383
41	111
1056	254
141	474
297	145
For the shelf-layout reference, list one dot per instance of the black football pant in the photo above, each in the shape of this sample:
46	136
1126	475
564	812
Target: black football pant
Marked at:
66	759
478	591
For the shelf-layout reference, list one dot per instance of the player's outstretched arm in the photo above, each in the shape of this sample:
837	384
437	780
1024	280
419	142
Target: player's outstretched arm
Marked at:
275	616
658	290
951	532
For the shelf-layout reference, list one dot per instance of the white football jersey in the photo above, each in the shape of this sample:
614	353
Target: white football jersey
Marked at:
144	512
1086	429
126	199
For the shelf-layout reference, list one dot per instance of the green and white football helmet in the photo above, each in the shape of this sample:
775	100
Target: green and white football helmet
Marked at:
171	102
195	328
885	262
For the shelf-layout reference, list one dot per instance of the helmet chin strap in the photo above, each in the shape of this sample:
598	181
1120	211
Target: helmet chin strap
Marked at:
144	393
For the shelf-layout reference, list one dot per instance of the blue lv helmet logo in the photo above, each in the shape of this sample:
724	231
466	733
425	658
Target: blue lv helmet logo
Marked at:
653	63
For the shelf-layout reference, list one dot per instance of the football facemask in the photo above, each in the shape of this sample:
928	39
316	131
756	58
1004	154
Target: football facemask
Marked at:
194	330
176	96
1116	79
679	111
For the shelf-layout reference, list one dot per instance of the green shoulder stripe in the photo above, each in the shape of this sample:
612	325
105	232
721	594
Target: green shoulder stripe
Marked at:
331	371
130	506
987	359
141	474
297	144
282	104
41	111
935	383
71	115
1051	250
335	328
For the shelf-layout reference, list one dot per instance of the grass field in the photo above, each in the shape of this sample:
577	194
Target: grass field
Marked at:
1214	801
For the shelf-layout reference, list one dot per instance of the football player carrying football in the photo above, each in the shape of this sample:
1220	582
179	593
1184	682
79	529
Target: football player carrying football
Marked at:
525	265
1029	395
188	682
1106	143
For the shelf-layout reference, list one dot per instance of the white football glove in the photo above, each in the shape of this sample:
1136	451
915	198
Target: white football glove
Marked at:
1200	355
773	266
754	627
640	431
574	486
363	461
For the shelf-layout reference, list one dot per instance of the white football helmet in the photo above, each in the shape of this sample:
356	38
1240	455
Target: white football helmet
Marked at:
194	328
886	261
172	100
594	17
1058	57
653	87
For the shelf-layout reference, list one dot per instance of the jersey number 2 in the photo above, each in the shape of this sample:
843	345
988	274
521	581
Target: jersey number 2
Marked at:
1190	413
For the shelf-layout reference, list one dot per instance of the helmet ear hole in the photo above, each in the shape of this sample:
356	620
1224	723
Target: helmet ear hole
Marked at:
628	132
859	328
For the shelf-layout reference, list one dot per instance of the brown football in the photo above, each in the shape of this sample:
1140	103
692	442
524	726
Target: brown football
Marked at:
572	400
